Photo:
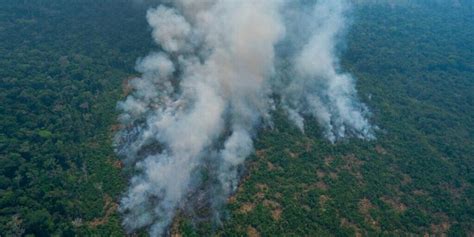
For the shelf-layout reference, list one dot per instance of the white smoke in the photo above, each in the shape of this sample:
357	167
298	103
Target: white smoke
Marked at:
170	30
317	88
201	98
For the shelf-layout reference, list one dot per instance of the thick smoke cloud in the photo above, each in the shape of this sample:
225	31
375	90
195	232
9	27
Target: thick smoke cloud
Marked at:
316	86
195	109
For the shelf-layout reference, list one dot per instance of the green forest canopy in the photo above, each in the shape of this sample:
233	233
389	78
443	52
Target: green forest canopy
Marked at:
62	70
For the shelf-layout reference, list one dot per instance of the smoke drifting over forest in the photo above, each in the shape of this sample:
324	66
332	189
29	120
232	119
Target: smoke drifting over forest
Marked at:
223	66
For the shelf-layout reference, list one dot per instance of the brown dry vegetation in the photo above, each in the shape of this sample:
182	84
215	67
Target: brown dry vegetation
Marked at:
246	208
394	203
275	208
252	232
109	207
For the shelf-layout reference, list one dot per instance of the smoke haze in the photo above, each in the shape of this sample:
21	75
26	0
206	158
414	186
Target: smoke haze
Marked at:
200	99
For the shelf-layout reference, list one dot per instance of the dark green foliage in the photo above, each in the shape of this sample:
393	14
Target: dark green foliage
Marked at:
62	66
415	70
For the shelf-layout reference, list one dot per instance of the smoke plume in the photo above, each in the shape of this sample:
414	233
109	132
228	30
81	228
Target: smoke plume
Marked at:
189	123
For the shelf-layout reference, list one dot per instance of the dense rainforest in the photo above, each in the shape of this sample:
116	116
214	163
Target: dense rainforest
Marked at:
64	65
62	68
